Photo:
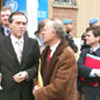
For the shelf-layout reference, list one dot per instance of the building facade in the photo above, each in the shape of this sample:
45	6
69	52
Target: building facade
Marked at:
65	9
80	11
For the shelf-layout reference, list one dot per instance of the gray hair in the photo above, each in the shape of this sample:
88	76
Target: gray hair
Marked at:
59	29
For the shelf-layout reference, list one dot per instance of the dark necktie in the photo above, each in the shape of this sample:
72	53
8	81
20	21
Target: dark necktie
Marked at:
8	31
48	57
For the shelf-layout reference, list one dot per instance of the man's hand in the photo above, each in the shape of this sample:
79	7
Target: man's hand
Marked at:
21	76
36	87
97	72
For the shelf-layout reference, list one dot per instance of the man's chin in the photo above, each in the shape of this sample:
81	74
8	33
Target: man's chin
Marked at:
7	25
87	44
20	35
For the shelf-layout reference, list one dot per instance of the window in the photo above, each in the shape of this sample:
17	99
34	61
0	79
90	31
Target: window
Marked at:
65	2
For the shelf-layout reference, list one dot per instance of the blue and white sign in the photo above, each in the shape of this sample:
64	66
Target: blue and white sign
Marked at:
35	10
20	5
16	5
42	9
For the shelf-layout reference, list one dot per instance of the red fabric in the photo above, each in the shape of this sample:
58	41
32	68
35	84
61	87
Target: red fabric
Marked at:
94	63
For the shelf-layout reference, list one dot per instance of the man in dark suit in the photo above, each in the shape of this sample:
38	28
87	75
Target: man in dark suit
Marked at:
18	61
4	27
87	64
60	72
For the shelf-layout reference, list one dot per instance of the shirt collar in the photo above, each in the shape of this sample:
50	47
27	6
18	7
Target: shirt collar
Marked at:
5	28
95	49
53	48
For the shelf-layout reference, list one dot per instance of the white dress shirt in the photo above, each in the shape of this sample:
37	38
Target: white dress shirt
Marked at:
54	47
14	41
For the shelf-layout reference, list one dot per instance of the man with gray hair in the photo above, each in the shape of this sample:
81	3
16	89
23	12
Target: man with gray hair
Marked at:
58	66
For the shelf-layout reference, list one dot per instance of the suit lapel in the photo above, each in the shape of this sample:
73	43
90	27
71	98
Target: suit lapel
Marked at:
2	32
54	59
98	52
25	49
10	49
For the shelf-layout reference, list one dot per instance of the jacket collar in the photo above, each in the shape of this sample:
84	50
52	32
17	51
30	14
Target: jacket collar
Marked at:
48	72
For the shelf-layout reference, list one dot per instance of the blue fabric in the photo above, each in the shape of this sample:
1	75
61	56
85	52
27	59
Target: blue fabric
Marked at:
67	21
94	20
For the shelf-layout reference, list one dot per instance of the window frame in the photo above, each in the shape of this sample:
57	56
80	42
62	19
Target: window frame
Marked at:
65	2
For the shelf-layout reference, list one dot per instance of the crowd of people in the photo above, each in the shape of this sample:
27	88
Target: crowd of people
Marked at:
51	66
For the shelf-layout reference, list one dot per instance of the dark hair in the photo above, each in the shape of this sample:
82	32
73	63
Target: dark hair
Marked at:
95	30
16	13
40	26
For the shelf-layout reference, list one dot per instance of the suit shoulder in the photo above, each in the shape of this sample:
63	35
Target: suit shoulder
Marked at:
85	51
4	41
31	39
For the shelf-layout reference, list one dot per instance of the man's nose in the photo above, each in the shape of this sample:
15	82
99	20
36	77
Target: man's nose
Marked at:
6	17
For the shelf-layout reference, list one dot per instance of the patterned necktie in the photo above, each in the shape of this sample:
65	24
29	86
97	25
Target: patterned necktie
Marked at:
19	50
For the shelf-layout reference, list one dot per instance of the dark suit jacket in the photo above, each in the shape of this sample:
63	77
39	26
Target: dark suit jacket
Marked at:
82	69
2	34
91	92
9	66
60	76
